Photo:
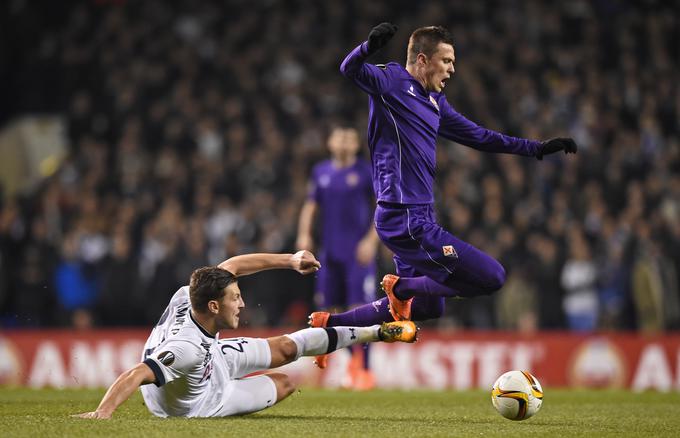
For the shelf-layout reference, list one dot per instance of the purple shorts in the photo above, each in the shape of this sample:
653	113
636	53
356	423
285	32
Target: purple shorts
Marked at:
420	245
344	283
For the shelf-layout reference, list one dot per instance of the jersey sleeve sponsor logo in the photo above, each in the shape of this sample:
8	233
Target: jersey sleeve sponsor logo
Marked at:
449	251
166	358
324	181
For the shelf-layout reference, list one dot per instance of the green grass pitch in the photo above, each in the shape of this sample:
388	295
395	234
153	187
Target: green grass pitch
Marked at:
325	413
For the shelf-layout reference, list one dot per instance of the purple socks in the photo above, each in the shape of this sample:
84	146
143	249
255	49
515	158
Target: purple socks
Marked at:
422	308
368	314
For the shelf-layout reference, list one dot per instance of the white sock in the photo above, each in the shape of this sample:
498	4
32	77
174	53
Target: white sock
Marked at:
316	341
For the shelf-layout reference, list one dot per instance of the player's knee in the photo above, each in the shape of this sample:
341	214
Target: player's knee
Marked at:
288	349
427	308
284	386
496	279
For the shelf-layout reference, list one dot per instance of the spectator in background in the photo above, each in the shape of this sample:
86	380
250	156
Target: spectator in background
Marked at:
654	284
77	287
545	275
120	301
517	308
613	291
579	277
36	302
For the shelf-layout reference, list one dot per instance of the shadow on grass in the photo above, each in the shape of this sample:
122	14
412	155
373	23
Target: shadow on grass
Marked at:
359	418
411	420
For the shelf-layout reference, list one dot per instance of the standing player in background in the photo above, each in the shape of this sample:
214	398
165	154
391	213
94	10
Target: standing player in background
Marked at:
341	191
196	374
407	112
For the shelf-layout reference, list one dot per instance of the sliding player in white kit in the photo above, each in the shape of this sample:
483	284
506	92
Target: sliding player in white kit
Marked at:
196	374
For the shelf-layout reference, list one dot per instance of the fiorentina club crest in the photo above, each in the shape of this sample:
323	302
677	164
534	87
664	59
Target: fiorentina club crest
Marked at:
434	102
352	179
449	251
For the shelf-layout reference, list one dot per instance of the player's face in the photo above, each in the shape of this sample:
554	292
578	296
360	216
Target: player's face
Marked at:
335	141
439	67
343	143
351	141
229	307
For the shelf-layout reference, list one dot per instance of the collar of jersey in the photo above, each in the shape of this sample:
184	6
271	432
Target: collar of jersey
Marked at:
204	331
421	90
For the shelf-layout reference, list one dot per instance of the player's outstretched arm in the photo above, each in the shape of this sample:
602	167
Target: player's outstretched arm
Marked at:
121	390
302	261
304	237
456	127
368	77
553	145
367	247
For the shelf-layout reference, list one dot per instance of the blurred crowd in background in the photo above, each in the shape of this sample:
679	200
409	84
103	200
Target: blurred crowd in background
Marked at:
192	127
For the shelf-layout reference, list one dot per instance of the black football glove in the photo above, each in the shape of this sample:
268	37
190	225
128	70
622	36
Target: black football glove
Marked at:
553	145
379	36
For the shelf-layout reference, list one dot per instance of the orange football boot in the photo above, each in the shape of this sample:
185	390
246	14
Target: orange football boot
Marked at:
319	319
399	309
398	331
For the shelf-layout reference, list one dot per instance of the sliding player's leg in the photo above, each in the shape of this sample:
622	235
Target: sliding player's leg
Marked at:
243	356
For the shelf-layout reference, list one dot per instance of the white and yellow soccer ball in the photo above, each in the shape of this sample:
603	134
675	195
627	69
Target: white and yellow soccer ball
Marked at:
517	395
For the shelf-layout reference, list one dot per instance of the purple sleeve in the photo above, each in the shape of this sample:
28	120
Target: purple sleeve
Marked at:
371	79
461	130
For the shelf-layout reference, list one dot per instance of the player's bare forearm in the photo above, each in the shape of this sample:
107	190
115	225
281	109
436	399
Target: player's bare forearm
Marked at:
302	261
371	235
126	384
367	247
304	237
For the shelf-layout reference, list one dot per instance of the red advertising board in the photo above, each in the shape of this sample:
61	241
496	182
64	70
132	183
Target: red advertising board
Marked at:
439	360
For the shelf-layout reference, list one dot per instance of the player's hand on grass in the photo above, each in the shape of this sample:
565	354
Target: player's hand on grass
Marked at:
366	249
305	263
96	415
553	145
379	36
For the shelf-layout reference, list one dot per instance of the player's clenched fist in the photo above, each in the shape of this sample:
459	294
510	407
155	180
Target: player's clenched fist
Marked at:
304	262
379	36
555	145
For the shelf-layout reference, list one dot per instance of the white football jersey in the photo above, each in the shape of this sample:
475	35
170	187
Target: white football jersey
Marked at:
191	376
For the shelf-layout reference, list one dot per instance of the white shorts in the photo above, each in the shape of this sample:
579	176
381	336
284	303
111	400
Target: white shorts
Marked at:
243	356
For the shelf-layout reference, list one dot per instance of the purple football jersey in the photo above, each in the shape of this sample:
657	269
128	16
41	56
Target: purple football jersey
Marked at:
345	200
403	124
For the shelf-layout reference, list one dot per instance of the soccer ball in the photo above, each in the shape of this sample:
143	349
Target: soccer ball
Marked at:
517	395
